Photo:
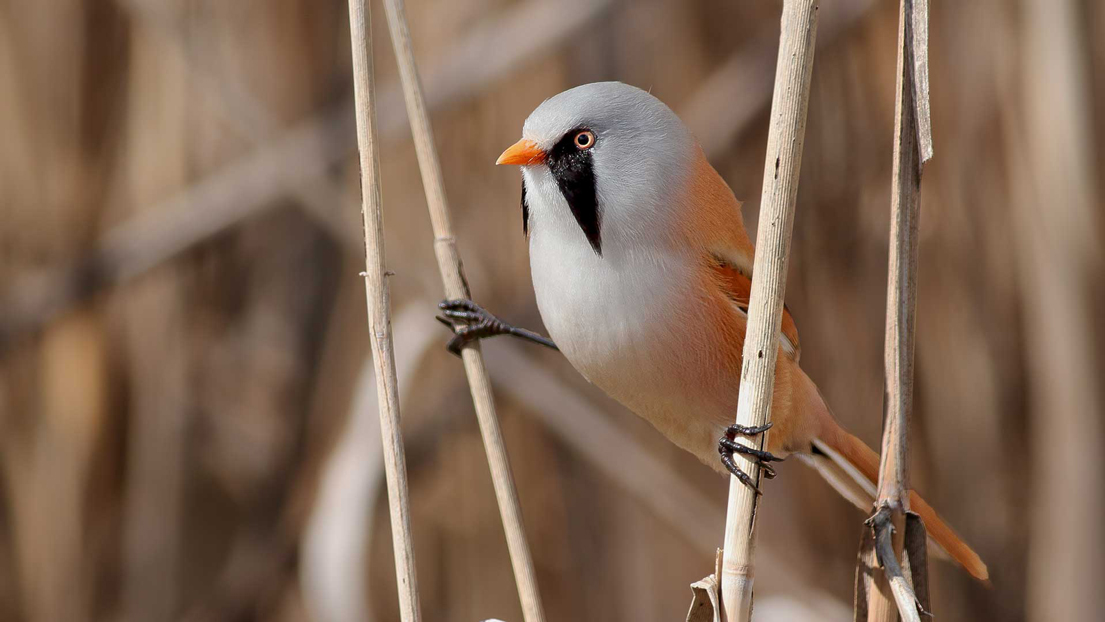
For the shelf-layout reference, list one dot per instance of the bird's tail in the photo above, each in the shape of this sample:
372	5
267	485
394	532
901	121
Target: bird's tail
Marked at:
851	467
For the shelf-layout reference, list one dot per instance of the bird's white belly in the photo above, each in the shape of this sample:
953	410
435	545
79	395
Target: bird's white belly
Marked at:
628	326
602	320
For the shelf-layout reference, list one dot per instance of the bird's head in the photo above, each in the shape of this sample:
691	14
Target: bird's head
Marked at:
607	159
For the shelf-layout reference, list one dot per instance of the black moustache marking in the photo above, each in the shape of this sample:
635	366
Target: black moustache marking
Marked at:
525	211
574	172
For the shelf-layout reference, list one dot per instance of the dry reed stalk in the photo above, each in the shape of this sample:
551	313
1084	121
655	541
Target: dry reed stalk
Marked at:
912	148
448	260
785	139
379	312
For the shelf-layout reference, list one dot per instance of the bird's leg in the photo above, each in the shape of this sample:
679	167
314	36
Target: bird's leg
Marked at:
471	322
728	444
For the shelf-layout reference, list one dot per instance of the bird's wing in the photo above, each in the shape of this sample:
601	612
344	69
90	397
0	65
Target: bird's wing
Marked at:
738	288
717	226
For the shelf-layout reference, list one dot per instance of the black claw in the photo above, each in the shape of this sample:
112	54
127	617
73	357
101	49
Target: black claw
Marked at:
762	459
727	446
471	322
727	460
738	429
734	446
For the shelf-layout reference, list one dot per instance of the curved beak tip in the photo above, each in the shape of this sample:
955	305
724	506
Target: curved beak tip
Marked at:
522	153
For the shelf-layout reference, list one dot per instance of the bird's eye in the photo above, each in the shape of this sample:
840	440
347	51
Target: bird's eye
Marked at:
585	139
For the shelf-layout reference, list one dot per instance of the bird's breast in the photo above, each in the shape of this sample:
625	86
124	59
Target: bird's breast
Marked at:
641	328
607	317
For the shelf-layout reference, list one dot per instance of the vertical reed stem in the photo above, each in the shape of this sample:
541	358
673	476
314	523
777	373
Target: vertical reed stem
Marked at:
912	147
455	287
786	135
379	312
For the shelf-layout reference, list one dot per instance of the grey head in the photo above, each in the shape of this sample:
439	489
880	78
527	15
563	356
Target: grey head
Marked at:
611	156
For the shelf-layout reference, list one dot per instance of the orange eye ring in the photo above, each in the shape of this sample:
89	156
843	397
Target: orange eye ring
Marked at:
584	139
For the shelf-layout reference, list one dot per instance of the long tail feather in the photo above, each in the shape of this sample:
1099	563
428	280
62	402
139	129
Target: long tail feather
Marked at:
851	467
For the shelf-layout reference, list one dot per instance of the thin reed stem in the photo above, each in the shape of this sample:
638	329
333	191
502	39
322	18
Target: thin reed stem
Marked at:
786	135
892	592
379	312
448	260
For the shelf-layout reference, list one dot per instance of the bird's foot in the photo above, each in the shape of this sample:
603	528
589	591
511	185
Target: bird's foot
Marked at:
728	445
471	322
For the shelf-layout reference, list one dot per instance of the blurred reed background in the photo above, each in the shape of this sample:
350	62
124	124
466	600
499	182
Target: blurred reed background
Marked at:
187	421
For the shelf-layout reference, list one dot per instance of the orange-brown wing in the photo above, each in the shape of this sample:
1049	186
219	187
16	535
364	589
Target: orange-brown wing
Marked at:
739	289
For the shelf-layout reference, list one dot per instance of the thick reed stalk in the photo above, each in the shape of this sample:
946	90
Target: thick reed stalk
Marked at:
448	261
786	135
379	312
912	147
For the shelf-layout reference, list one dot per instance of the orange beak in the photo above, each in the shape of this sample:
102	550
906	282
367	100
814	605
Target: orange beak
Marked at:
523	153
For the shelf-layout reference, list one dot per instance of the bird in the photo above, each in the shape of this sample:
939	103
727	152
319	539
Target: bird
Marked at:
642	270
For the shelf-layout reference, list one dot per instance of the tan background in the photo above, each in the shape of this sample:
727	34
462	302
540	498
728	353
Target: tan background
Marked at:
182	324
